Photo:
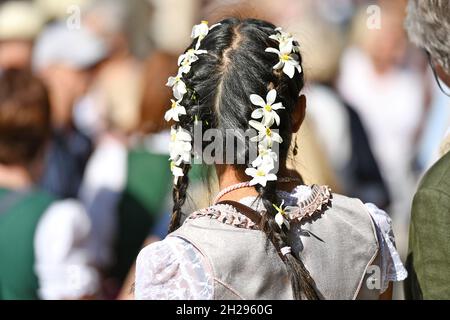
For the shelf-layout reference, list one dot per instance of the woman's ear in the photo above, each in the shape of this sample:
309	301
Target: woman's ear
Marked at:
299	114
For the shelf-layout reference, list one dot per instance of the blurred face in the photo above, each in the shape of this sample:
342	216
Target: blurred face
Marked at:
387	46
66	85
15	54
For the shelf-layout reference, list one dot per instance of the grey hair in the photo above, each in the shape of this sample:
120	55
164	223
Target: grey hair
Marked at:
428	26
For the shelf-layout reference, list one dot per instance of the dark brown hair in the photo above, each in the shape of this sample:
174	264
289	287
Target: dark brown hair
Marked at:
24	117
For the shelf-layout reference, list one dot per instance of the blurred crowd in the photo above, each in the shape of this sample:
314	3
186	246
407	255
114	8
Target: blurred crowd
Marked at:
84	145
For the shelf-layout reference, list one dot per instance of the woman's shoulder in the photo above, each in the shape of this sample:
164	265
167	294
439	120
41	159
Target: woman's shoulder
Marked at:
172	269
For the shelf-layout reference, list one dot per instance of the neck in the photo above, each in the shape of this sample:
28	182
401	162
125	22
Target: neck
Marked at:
14	177
229	175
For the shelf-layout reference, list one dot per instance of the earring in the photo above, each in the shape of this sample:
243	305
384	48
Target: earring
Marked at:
295	151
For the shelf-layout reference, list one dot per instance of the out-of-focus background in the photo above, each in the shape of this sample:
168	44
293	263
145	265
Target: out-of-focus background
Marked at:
374	123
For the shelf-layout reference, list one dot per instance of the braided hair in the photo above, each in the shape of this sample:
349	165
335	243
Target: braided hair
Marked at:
218	88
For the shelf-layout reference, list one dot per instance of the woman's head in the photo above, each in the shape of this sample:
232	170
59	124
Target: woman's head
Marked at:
221	74
236	66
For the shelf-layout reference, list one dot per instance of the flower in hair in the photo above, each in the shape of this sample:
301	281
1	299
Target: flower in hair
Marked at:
268	107
176	109
200	31
266	136
285	40
180	145
288	60
261	175
176	170
186	59
281	214
265	157
178	86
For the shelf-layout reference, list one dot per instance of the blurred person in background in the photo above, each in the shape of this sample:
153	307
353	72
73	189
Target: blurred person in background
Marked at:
20	23
127	207
43	242
428	26
66	59
388	96
337	126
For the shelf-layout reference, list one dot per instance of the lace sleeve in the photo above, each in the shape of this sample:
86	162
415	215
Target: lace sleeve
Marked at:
392	268
172	269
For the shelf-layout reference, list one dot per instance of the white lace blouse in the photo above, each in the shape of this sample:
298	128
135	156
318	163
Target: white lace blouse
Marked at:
174	269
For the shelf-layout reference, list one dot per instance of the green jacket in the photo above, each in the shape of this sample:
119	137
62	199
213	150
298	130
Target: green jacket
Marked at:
18	223
428	260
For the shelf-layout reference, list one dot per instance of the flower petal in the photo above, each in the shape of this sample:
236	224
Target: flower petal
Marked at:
258	113
271	97
277	106
272	50
257	100
258	126
289	70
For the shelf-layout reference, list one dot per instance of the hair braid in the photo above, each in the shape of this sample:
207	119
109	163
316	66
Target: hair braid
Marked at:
301	280
179	197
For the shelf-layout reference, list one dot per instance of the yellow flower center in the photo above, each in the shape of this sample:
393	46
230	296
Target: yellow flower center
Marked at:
174	105
172	165
268	108
285	57
268	132
260	173
204	21
173	137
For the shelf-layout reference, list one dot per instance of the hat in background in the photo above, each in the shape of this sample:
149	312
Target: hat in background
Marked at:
58	44
20	20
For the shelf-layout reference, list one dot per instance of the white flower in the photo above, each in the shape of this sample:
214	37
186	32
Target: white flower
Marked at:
176	109
267	110
288	60
260	175
186	59
178	86
176	170
200	30
285	40
180	145
266	136
280	217
265	157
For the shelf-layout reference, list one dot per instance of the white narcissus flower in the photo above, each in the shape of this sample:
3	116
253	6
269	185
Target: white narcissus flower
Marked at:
265	157
288	61
186	59
285	40
180	145
280	217
178	86
200	30
260	175
176	170
267	110
266	136
176	109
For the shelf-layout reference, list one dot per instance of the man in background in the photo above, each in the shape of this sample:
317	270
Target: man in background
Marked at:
20	23
43	242
428	263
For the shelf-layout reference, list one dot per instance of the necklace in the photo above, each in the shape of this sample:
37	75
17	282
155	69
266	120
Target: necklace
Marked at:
246	184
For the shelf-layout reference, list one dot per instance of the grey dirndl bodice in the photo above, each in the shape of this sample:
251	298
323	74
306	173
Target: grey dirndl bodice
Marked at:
337	243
